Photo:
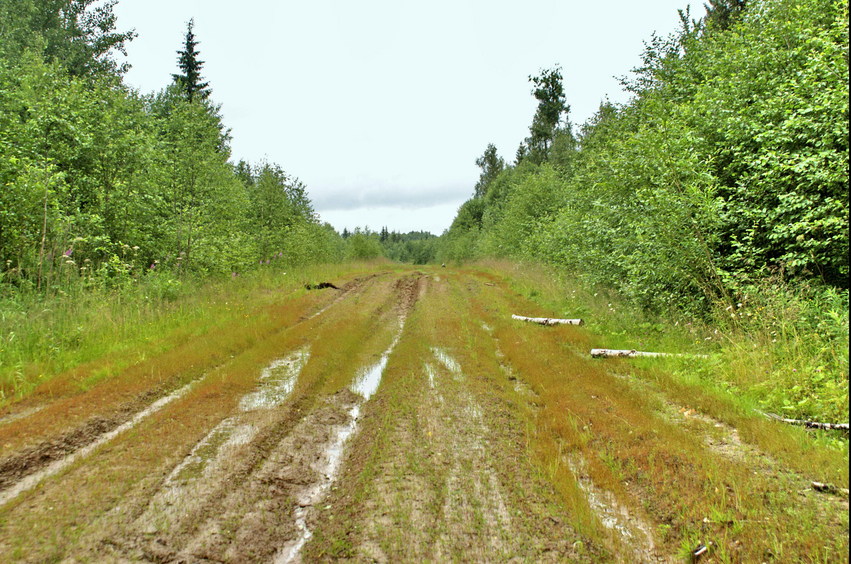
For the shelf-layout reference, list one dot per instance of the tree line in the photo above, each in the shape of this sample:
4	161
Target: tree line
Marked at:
727	170
101	183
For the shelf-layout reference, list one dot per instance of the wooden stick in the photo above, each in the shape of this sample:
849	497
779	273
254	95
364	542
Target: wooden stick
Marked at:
548	320
612	353
809	424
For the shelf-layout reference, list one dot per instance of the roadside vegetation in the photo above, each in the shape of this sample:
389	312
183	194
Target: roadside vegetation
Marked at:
710	213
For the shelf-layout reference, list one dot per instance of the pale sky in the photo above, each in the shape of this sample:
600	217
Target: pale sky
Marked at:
381	107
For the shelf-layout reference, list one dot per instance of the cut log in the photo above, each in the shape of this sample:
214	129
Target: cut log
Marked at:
612	353
548	320
809	424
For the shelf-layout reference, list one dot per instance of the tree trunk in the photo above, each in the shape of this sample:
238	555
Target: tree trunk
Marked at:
548	320
809	424
612	353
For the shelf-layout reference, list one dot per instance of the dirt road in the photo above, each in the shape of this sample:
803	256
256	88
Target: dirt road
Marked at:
403	417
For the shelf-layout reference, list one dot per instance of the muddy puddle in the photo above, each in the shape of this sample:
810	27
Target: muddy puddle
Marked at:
276	382
431	375
31	481
327	468
634	533
367	381
449	363
474	497
193	480
365	385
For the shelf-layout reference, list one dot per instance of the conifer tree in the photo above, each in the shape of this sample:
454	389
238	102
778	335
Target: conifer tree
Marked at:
190	81
720	14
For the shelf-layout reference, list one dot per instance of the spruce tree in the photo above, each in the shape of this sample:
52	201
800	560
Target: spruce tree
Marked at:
190	82
721	14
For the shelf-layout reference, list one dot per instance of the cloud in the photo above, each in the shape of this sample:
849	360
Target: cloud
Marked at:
377	195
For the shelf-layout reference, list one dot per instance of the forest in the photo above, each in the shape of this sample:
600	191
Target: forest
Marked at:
718	193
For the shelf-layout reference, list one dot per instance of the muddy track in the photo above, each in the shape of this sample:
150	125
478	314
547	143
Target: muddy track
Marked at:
28	461
280	459
402	418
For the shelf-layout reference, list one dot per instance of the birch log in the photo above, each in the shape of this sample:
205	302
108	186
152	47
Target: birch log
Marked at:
829	488
548	320
612	353
809	424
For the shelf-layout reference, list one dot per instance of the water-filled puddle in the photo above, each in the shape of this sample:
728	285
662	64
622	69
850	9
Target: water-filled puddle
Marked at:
276	382
612	514
366	383
225	436
328	468
447	361
431	375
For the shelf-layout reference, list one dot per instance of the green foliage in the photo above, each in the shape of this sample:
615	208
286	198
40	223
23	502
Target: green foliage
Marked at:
552	109
779	140
723	179
416	247
101	186
730	165
491	164
78	34
363	245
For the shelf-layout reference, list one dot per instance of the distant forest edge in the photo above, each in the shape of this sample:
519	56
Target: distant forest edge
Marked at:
727	171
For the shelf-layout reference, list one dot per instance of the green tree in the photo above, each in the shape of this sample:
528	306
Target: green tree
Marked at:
78	34
189	81
278	205
491	164
552	109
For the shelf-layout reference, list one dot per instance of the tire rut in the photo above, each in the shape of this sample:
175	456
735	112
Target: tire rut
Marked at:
281	463
31	460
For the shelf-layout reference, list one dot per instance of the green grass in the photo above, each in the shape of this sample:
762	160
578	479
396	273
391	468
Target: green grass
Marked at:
43	336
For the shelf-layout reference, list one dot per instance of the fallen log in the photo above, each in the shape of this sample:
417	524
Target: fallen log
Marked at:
829	489
809	424
612	353
549	321
320	286
698	552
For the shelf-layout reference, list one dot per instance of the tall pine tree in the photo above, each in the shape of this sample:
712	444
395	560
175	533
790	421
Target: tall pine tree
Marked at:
190	82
